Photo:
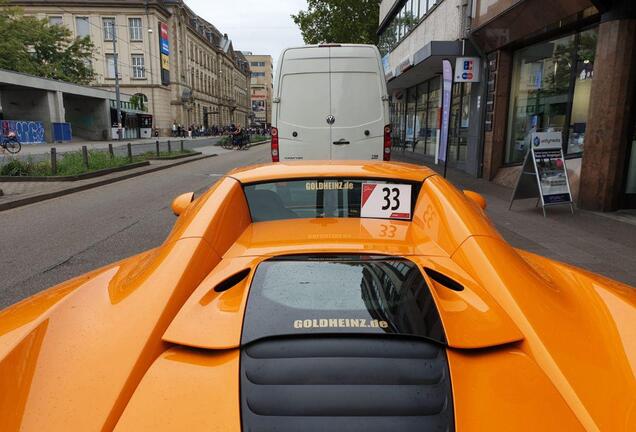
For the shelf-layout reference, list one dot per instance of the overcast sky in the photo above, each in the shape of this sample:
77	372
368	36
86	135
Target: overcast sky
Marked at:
260	26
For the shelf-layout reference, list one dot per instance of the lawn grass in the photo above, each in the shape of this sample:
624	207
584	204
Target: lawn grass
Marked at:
72	163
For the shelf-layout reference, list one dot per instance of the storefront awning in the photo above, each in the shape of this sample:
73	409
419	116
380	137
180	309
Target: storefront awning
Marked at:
427	63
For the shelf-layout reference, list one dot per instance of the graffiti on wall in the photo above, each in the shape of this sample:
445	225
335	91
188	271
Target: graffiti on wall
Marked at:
29	132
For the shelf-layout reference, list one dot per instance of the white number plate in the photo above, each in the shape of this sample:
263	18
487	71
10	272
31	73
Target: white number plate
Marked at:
386	201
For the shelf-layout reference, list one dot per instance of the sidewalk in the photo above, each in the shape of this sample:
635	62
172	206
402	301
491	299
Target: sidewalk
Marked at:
604	243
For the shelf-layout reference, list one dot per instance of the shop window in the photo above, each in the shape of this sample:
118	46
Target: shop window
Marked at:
433	116
409	138
459	122
550	92
421	130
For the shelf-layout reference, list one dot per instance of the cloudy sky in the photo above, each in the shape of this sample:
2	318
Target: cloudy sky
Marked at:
260	26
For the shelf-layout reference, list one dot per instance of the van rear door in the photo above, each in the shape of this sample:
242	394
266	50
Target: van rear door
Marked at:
356	103
304	106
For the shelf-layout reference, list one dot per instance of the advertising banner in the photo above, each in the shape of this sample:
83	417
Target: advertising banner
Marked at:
544	173
467	69
547	153
447	87
164	45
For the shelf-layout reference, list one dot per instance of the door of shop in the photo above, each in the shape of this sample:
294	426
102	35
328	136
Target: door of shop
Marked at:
629	196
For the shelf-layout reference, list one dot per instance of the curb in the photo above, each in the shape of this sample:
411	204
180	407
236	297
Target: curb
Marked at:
181	156
46	196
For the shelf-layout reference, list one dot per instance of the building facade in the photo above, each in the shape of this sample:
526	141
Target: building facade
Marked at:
179	66
565	66
414	37
562	66
262	85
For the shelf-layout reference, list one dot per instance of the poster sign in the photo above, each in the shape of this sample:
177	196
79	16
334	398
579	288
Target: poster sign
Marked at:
385	201
544	173
547	153
447	87
467	69
164	48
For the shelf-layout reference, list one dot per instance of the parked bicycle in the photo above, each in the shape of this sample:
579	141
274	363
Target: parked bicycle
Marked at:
10	142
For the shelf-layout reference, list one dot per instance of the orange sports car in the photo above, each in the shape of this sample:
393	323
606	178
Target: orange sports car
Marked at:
325	296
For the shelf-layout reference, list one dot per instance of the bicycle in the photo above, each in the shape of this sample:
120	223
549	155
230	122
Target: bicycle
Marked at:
10	142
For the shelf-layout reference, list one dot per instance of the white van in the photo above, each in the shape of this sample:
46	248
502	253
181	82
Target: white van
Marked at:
330	102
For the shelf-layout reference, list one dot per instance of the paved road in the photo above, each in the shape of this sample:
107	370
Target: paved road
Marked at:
46	243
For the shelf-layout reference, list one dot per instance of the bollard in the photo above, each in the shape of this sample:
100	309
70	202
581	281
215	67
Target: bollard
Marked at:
181	146
129	152
110	151
169	147
157	146
85	156
53	161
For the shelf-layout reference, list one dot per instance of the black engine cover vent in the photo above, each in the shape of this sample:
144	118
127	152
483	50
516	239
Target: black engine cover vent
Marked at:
363	383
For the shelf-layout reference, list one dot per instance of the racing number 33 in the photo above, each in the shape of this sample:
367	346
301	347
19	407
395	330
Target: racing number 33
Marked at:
387	201
391	198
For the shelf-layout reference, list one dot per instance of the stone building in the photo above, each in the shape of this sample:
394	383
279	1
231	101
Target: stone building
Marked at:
180	66
262	85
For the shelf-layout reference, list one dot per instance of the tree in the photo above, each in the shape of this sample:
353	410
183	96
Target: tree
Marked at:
339	21
30	45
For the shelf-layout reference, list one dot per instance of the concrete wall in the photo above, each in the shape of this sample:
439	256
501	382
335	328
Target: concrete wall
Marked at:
385	7
89	118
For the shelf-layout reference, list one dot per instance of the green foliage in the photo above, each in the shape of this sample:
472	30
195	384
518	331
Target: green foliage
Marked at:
339	21
30	45
19	168
137	102
72	163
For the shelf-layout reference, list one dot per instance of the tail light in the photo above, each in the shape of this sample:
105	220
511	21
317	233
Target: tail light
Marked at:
387	143
275	145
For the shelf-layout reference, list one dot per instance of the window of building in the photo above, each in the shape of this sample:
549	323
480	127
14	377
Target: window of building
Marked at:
108	26
55	20
82	27
258	74
459	122
110	66
134	27
548	94
138	69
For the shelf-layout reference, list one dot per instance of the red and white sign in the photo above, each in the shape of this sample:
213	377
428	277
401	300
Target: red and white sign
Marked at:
386	201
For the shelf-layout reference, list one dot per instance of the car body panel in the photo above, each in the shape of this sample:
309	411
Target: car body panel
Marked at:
146	343
189	390
322	169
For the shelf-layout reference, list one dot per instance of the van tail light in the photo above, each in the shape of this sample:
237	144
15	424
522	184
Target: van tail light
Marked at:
387	143
275	156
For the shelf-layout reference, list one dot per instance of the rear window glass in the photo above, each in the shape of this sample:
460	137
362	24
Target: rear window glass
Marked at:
331	198
343	294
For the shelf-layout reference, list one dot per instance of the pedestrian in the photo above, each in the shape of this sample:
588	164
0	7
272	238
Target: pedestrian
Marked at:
174	129
190	132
